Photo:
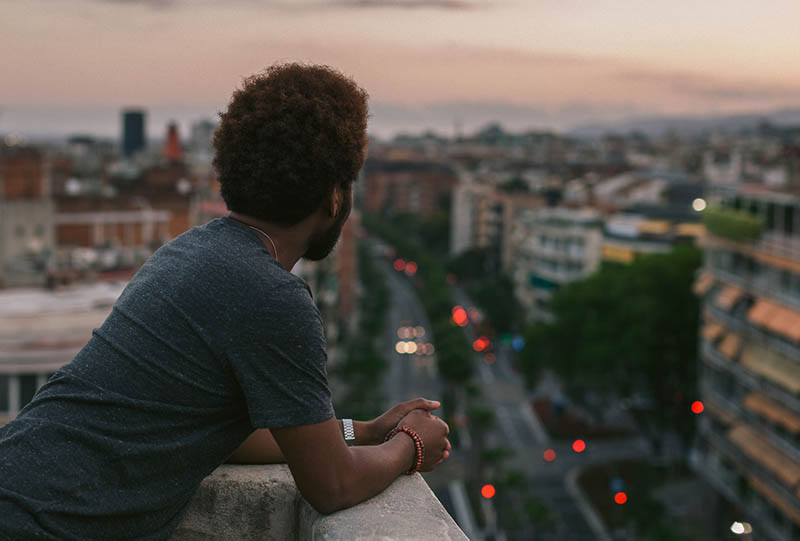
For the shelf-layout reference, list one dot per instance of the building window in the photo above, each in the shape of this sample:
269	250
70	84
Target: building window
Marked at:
770	215
786	280
27	388
788	220
776	515
4	382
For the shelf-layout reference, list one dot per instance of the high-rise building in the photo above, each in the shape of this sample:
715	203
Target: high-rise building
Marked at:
173	150
748	444
133	131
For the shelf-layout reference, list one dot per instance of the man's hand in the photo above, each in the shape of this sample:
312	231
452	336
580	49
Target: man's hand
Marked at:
433	432
380	426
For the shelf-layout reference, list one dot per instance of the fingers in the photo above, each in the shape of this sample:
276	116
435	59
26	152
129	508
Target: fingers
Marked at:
444	425
422	403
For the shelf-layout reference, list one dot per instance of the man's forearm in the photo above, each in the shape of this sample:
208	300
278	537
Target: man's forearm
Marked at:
260	447
368	471
365	433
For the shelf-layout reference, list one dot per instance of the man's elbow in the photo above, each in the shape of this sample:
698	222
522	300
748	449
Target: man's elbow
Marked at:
325	505
331	500
325	508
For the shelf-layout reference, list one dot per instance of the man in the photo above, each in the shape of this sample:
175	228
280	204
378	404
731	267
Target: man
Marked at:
215	351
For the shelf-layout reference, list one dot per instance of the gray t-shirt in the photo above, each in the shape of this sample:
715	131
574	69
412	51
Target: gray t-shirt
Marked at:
211	339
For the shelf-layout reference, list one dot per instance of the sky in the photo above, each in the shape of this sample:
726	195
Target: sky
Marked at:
70	65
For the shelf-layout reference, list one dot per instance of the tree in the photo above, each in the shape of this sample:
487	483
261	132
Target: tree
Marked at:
627	330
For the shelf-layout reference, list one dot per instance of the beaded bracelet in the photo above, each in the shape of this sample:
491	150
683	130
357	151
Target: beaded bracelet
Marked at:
419	448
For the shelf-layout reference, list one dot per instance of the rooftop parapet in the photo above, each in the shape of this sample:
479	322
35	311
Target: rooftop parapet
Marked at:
262	502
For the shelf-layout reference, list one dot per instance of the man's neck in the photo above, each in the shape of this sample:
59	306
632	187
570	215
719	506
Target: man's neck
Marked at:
290	242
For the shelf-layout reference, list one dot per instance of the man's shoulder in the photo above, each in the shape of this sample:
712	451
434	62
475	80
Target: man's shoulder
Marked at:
218	266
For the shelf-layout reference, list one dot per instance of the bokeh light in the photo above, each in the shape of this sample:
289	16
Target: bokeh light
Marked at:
489	358
620	498
578	446
697	407
699	204
460	316
481	344
399	265
411	268
549	455
474	314
488	491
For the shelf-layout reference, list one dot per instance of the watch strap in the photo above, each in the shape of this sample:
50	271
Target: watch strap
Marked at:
349	432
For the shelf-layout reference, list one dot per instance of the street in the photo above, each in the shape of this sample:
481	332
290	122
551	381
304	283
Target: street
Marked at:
504	392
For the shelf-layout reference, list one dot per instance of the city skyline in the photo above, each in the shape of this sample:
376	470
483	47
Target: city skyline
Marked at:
551	65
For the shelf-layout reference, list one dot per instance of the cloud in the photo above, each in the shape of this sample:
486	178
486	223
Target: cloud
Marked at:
306	5
405	4
708	87
156	4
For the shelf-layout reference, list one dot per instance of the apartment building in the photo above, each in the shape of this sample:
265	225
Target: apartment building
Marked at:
26	216
553	246
748	444
483	216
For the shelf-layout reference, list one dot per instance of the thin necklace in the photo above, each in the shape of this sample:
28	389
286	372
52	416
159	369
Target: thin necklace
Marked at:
274	249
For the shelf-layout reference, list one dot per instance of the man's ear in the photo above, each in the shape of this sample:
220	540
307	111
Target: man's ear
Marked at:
335	201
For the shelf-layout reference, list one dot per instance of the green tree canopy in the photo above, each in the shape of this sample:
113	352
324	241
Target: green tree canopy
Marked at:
626	329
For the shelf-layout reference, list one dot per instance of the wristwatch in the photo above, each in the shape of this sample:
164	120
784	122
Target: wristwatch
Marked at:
349	432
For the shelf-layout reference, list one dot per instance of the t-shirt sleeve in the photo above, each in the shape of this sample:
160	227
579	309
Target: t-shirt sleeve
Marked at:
279	359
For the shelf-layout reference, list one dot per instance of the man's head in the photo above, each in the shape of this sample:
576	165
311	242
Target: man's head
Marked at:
293	137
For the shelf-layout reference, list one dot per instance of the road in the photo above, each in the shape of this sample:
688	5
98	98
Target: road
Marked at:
409	376
505	394
519	429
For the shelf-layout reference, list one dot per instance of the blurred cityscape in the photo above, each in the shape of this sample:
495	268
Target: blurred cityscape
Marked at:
611	320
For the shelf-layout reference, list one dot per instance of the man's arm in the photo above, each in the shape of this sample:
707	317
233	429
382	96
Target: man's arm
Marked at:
332	476
261	448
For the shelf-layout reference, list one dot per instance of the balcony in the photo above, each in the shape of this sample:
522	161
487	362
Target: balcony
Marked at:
781	245
262	502
759	285
765	492
732	224
751	333
743	414
752	382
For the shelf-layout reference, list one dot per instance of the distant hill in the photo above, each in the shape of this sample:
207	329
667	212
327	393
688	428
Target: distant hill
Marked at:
689	125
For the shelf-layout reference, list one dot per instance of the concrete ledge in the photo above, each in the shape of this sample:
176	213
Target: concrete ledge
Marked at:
262	502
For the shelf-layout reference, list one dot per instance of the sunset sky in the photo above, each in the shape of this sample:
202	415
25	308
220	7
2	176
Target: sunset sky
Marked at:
543	63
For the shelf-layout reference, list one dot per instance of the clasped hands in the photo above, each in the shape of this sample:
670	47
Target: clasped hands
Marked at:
416	415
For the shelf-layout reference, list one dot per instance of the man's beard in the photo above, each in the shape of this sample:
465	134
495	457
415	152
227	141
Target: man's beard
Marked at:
322	244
